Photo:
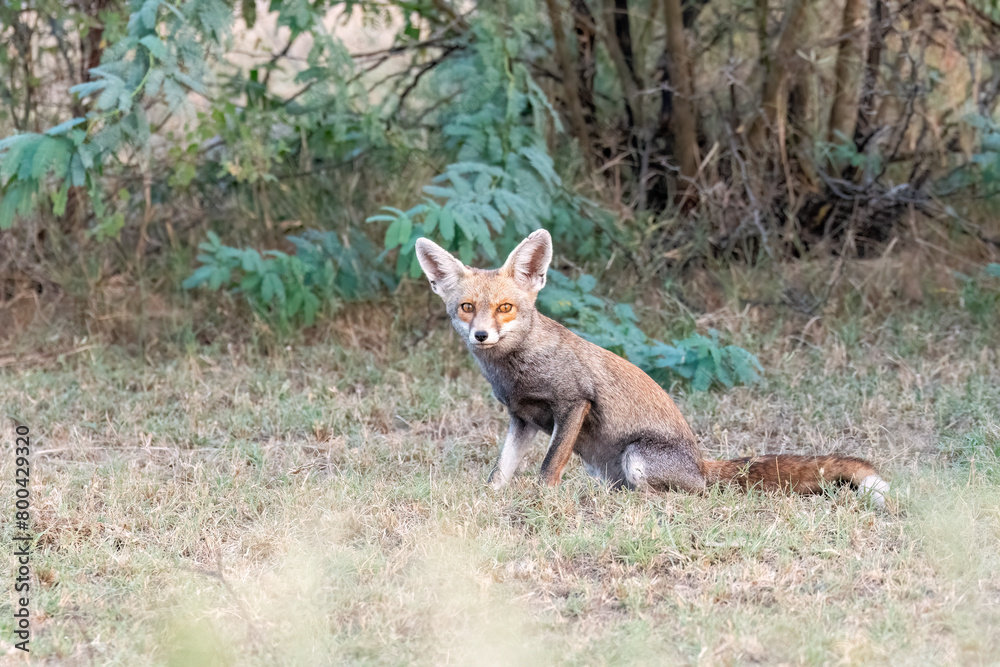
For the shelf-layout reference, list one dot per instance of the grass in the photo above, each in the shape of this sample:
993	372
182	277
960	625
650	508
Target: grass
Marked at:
325	503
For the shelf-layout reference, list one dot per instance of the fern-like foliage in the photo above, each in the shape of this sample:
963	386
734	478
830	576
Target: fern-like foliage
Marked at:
502	183
161	56
291	289
698	361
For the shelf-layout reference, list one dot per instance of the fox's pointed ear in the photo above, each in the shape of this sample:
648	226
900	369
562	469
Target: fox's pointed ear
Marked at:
529	261
439	265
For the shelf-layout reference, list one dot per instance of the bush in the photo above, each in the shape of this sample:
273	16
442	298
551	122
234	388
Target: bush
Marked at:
698	361
291	289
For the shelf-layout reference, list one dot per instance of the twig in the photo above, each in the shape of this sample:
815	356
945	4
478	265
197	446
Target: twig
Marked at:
423	70
397	49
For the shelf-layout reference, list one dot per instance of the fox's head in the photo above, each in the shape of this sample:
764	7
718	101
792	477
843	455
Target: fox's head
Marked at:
490	309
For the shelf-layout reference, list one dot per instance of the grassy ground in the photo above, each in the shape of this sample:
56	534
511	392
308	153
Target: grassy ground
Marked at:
325	503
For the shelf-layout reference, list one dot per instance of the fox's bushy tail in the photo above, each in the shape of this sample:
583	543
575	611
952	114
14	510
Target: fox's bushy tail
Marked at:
801	474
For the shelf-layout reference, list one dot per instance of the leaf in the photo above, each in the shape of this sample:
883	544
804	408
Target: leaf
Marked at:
146	16
9	204
405	230
109	97
625	313
107	140
431	220
462	220
252	262
702	378
219	276
25	154
472	167
488	247
64	127
668	357
415	268
85	89
722	375
155	46
392	233
542	164
87	153
13	140
251	283
496	220
447	224
310	306
268	287
14	147
59	199
199	277
295	302
77	174
51	155
443	193
482	184
586	282
402	264
174	94
746	366
465	251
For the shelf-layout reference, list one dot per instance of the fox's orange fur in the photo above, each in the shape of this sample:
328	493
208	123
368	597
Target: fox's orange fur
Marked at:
623	425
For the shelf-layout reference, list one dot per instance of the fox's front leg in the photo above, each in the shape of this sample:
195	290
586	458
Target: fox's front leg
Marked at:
563	440
519	435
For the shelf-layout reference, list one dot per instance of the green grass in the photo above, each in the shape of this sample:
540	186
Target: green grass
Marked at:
326	503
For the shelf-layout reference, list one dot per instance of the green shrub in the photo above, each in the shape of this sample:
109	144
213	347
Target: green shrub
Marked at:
502	183
698	361
160	55
291	289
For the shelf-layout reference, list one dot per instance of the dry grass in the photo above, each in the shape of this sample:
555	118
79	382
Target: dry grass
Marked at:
325	504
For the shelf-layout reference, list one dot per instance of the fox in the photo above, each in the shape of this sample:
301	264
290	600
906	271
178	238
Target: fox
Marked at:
624	426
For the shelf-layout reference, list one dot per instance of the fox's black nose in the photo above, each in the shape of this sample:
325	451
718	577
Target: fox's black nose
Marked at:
481	336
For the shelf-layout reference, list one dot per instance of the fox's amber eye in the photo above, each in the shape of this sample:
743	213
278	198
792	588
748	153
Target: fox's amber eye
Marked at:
467	307
505	308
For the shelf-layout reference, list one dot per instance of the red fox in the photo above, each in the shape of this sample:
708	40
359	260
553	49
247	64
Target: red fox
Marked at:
623	425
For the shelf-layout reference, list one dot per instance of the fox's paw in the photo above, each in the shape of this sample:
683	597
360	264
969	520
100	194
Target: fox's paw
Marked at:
496	481
550	479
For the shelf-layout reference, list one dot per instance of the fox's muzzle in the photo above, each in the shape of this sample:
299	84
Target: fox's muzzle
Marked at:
481	333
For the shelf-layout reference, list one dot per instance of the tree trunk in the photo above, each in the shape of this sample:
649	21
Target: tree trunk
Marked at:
633	105
764	52
849	72
586	61
867	106
774	90
623	33
91	45
571	85
679	67
805	120
692	8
